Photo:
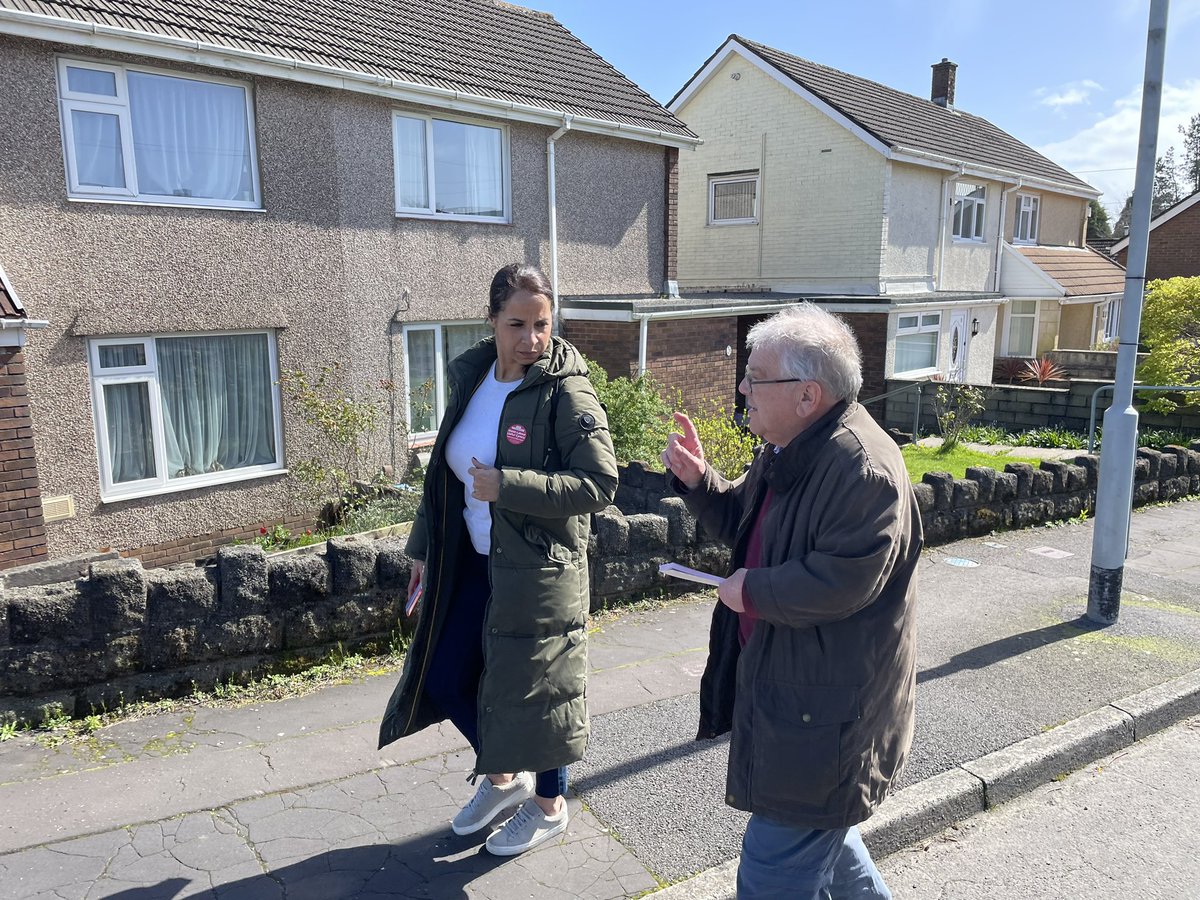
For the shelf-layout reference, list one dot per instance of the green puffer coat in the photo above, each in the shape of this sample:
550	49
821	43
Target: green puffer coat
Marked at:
557	467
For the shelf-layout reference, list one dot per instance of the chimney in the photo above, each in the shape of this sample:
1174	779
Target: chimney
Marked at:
942	92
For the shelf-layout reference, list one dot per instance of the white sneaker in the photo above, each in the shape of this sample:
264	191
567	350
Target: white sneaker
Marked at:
524	831
489	800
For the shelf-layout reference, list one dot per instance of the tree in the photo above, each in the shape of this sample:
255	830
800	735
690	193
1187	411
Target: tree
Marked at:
1189	166
1121	229
1171	330
1098	225
1166	185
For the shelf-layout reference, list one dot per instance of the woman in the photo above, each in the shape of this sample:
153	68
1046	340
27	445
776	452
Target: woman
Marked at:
523	456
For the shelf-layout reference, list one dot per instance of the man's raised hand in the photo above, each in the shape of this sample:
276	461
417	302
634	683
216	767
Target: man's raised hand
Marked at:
684	456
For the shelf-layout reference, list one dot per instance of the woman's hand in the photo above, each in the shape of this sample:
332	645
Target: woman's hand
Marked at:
684	456
417	576
485	481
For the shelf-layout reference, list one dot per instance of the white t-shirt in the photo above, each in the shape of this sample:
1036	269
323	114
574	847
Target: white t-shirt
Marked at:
476	434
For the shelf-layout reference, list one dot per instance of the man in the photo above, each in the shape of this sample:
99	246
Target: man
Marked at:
812	651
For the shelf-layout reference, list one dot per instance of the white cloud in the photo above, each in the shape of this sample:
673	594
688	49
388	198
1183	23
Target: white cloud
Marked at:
1071	94
1105	153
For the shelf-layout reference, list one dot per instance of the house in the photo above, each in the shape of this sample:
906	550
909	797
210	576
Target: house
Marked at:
905	215
1174	244
199	198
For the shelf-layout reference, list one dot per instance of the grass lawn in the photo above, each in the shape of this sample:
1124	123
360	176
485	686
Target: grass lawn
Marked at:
929	459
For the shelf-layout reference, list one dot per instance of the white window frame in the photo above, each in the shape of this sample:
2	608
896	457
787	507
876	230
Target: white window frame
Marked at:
439	385
979	211
923	326
1035	315
1112	319
430	211
1032	204
119	106
714	180
148	373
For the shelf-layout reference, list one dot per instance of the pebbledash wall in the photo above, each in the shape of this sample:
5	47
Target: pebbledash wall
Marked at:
127	632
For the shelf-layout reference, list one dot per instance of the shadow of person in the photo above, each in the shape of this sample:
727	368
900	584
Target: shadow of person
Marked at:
429	866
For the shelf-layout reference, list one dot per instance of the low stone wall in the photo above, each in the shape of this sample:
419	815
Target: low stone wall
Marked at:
127	632
1020	407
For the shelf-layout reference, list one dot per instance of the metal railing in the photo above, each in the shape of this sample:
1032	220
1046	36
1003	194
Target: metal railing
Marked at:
1182	388
915	386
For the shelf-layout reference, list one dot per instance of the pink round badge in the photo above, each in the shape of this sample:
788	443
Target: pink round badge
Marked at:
516	434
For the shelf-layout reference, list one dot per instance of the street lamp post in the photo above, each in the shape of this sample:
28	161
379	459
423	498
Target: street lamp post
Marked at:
1114	493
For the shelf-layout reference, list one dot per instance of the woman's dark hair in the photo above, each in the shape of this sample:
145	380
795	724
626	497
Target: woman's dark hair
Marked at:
516	277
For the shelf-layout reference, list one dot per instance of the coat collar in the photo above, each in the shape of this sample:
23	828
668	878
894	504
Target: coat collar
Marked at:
794	460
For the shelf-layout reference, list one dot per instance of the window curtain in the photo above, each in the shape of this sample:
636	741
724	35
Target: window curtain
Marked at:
412	183
190	138
468	175
130	439
916	351
421	348
98	153
217	403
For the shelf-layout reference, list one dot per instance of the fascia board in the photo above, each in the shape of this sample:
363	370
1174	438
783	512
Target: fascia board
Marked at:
733	47
8	288
1004	176
230	59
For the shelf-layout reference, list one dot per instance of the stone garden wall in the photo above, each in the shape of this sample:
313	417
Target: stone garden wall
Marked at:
124	631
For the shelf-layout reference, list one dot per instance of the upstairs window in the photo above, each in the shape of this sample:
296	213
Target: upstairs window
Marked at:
450	169
428	350
733	199
917	342
1025	226
969	207
140	135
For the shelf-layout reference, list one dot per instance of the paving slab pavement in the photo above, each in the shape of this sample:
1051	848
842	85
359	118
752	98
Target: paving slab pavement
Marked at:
292	795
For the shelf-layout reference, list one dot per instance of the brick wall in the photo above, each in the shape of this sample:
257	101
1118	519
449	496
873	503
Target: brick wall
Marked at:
22	531
671	241
201	546
871	331
687	355
1174	247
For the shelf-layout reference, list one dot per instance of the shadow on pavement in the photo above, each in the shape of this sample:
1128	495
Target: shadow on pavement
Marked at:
431	866
1014	645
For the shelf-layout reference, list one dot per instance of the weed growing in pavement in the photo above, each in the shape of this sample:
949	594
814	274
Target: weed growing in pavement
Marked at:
8	731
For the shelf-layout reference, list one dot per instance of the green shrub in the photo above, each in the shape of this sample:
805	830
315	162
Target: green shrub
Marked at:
954	405
1050	438
638	417
985	434
1171	329
728	447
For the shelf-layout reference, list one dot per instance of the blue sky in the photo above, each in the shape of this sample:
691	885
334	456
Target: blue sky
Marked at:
1064	76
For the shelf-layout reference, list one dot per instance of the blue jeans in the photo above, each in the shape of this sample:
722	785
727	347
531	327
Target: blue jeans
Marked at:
452	681
782	861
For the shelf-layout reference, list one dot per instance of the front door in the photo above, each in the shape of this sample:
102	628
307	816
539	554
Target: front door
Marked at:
957	369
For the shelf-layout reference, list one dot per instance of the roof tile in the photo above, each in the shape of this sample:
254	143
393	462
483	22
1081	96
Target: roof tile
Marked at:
483	48
1081	270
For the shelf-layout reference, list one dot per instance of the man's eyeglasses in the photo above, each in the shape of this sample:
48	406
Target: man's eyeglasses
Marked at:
751	382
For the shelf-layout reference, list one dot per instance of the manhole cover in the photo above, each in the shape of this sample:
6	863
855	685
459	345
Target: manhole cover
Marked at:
960	562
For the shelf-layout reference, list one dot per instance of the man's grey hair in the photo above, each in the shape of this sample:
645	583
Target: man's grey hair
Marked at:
814	345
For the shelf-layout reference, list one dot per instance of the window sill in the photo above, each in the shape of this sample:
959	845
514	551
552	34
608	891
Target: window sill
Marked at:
917	374
977	241
437	217
733	222
191	486
134	201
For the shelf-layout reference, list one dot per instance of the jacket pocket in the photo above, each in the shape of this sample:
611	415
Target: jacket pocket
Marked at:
797	741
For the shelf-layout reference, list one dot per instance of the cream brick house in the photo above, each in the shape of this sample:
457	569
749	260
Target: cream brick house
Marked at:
906	215
198	197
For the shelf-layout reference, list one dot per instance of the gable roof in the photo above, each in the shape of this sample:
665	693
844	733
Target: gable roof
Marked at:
1165	216
494	55
10	304
1080	271
905	123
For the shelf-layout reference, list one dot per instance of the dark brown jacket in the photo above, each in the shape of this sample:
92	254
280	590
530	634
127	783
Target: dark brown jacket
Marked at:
822	713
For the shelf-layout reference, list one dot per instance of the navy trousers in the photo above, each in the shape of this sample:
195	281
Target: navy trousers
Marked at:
452	681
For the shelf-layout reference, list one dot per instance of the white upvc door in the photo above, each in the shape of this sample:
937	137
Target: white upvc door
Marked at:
956	367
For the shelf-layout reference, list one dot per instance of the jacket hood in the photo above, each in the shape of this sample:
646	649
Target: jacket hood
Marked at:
560	360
